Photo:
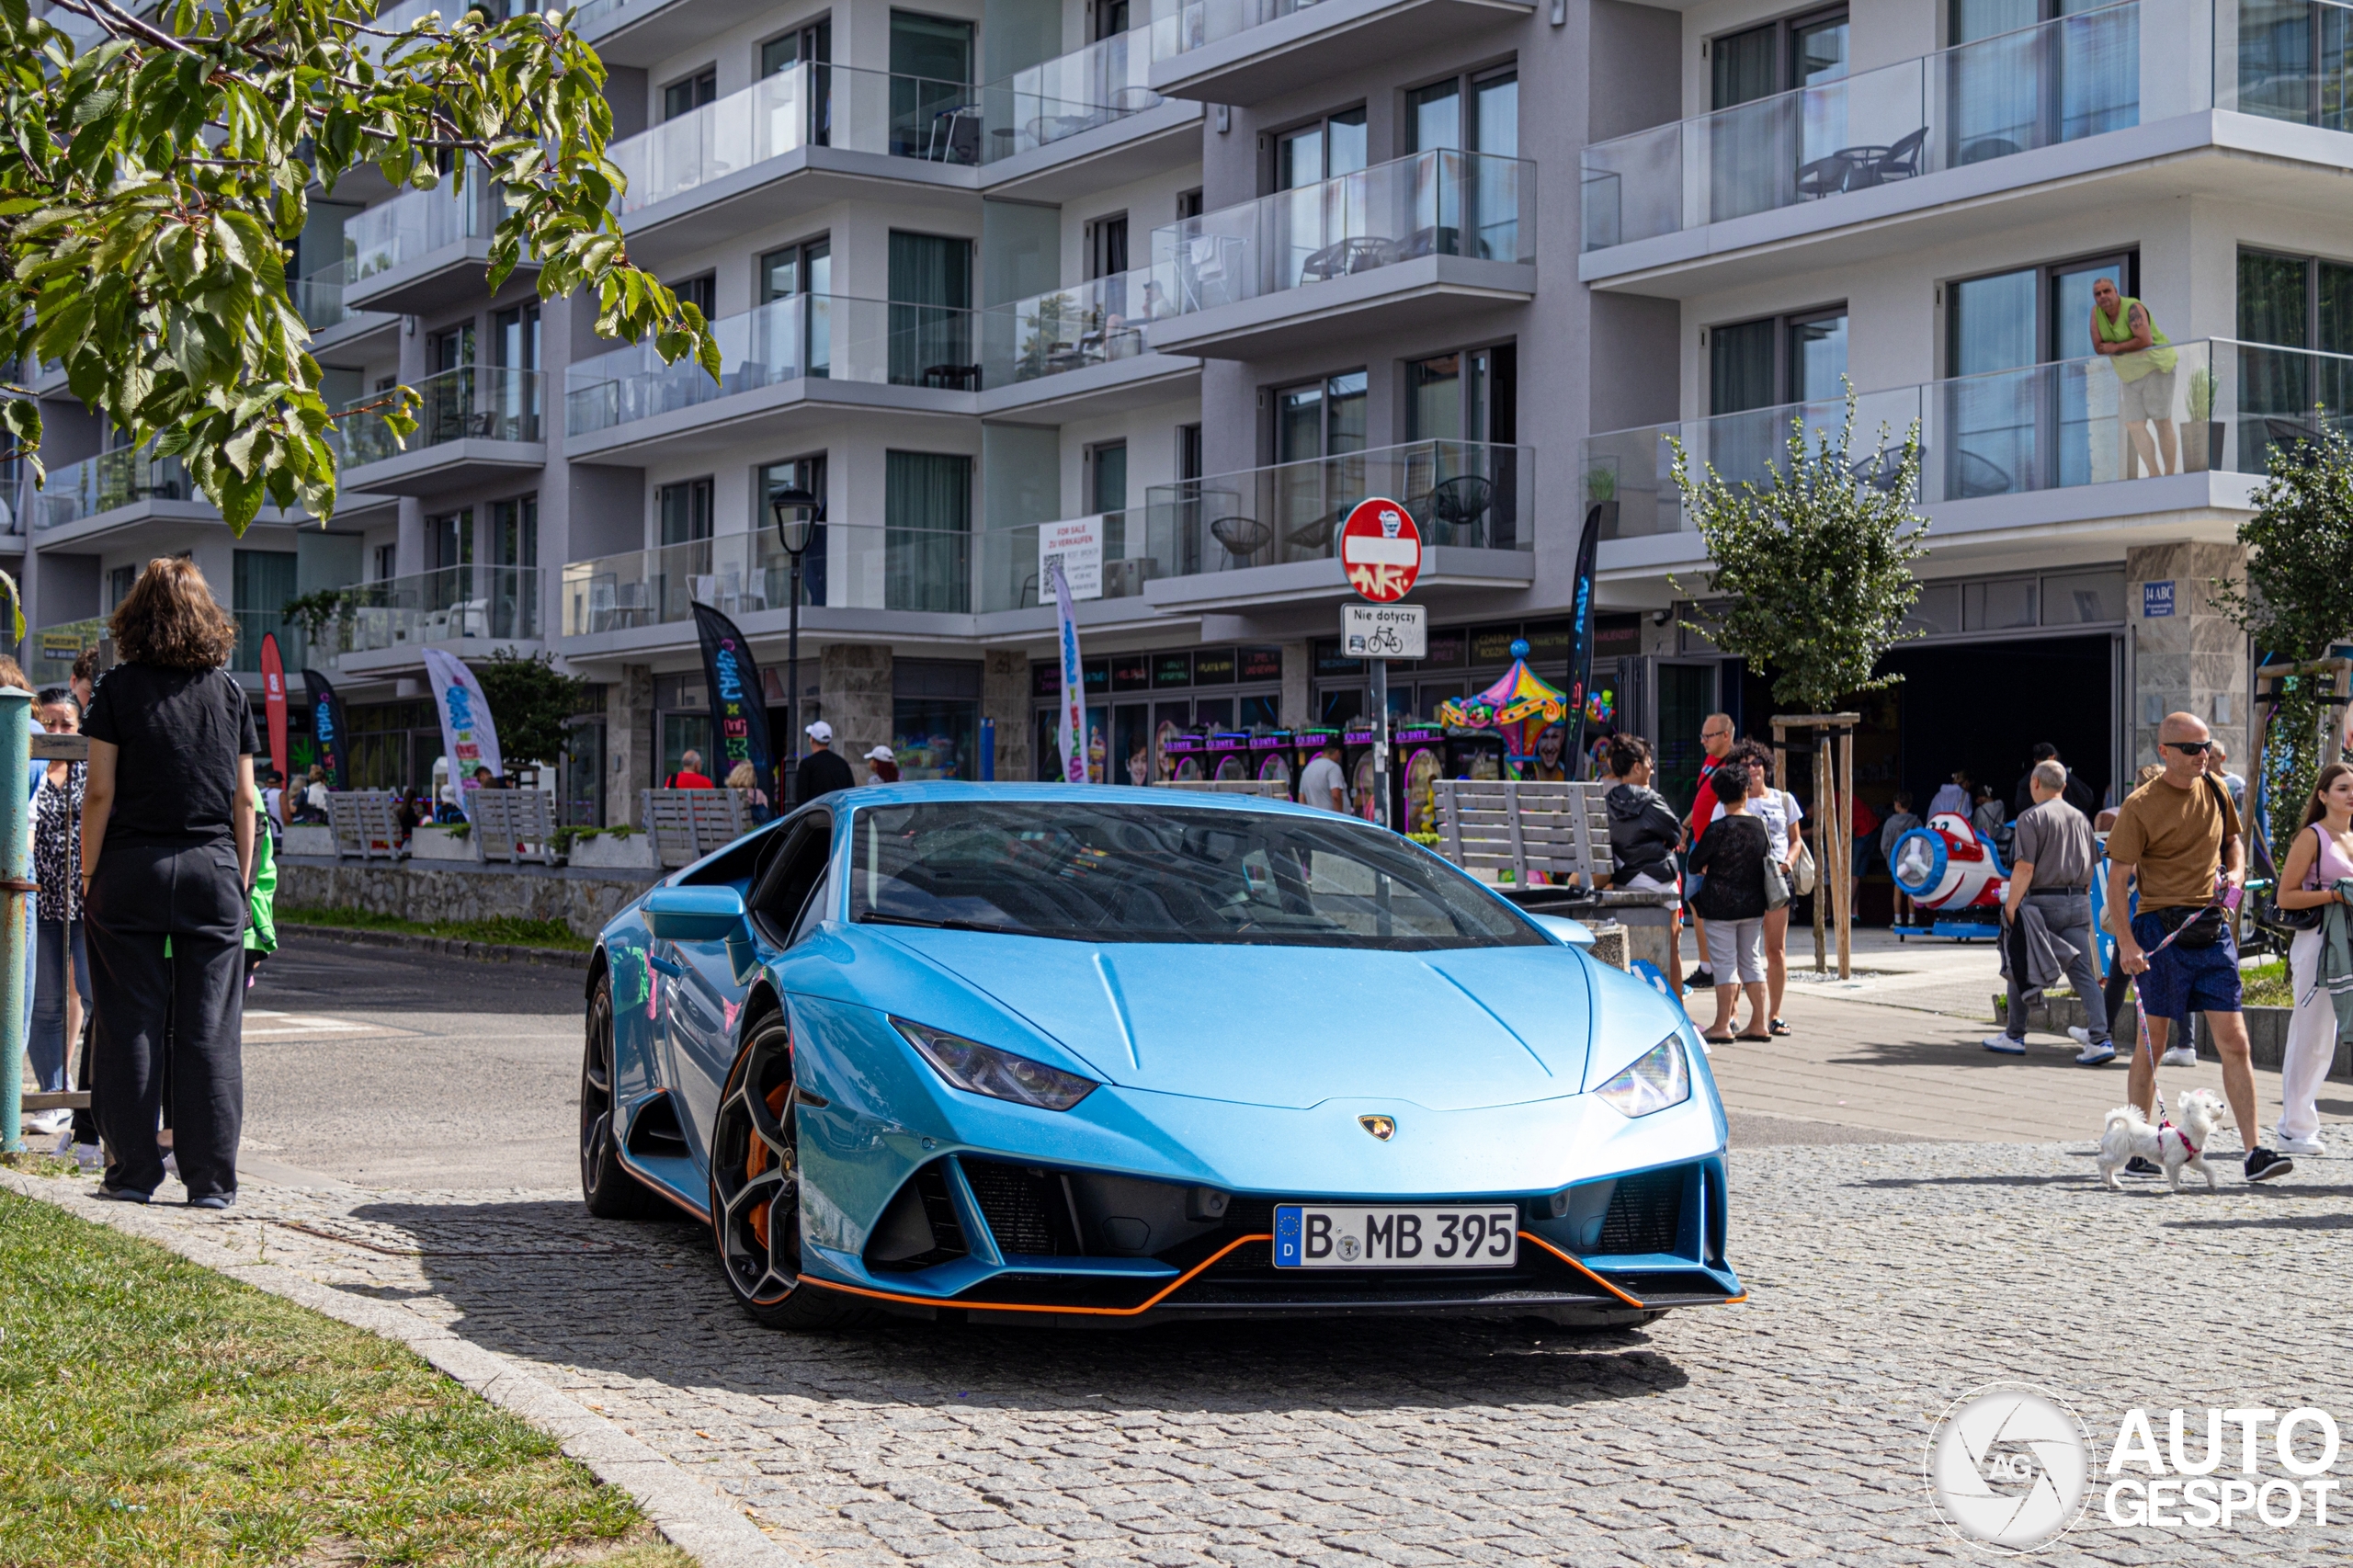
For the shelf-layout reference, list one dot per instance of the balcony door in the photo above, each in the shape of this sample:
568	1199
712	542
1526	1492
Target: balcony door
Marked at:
1767	133
1756	370
2294	62
2026	74
2305	306
801	473
811	46
931	299
1461	475
928	526
450	538
932	112
2024	392
514	339
1319	472
514	559
1320	211
1476	114
798	337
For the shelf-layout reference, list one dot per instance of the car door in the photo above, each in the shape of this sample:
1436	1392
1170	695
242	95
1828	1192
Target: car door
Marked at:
707	989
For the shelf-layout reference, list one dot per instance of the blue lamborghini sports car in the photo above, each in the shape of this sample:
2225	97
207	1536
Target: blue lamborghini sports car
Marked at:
1030	1053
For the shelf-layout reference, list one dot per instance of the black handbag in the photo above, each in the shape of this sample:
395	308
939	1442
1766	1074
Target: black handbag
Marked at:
2288	922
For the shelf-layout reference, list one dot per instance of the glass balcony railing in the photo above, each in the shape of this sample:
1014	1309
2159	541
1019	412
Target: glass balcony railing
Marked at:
452	604
2219	405
1069	329
2288	59
848	566
1464	493
1107	81
818	336
105	483
477	402
1440	203
2061	81
1180	26
418	223
318	299
1010	578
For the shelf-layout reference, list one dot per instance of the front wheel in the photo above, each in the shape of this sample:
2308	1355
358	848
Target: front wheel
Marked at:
606	1185
755	1189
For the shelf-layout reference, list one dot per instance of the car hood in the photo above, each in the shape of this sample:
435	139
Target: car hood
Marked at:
1294	1026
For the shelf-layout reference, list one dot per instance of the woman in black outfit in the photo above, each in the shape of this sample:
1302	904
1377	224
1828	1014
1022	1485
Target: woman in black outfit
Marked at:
1731	856
167	851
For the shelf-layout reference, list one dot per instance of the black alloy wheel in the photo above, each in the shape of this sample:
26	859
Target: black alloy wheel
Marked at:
606	1185
755	1189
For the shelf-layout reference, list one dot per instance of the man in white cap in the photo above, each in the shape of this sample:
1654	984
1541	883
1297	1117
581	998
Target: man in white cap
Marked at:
822	769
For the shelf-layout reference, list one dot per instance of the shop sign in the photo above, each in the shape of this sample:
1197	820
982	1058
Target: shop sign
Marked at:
1172	669
1385	631
1447	647
1616	636
1262	663
2156	599
1213	666
1330	661
1130	672
1077	543
1550	642
1492	644
1097	674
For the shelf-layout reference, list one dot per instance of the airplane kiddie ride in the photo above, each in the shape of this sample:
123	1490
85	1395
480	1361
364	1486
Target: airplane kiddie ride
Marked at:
1950	869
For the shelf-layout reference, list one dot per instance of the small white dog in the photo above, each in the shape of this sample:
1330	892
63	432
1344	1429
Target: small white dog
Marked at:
2179	1143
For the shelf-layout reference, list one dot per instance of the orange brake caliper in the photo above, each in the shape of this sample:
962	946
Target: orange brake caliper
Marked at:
757	1161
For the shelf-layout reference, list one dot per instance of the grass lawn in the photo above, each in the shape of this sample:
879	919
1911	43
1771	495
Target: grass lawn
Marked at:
156	1415
505	928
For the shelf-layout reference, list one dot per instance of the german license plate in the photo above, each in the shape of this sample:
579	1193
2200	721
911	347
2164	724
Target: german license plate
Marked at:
1325	1235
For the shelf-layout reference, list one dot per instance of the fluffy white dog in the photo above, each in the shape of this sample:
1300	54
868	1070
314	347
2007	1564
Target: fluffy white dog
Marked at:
2179	1143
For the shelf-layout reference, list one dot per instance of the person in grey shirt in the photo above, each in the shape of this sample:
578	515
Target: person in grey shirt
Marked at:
2047	917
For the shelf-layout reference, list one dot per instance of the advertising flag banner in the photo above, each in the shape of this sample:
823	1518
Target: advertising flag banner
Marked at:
739	708
1072	726
327	729
1580	638
468	737
273	699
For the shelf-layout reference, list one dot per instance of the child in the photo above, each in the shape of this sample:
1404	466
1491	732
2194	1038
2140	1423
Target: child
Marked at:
1900	821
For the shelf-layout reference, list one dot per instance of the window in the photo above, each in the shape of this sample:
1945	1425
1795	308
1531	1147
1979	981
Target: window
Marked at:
1437	121
935	718
684	97
801	473
1188	452
701	293
1778	57
1106	485
514	339
1107	246
1314	153
119	582
1321	419
931	296
1467	396
514	552
2029	316
2017	423
2293	63
804	268
812	46
451	350
1188	205
1975	20
2296	303
450	539
927	520
1111	19
1792	358
514	532
932	114
685	510
1465	405
803	272
388	562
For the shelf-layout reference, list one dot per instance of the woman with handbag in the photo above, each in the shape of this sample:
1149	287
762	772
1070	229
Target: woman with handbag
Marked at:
1742	882
2313	901
1779	811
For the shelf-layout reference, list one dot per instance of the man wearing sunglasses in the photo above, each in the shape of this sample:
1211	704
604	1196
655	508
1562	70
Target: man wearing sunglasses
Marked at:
2178	834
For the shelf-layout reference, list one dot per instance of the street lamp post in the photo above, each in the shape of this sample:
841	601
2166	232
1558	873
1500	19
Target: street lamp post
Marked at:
797	513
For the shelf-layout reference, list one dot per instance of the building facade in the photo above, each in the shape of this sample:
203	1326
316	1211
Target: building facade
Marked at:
1182	284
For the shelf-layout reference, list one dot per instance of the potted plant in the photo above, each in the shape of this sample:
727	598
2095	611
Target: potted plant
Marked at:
1601	490
2201	438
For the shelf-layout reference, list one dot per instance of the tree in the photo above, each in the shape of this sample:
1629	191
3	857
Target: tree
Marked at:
151	185
1816	567
528	703
2296	603
1817	570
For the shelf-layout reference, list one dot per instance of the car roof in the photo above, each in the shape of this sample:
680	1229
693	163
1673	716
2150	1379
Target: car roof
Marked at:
932	791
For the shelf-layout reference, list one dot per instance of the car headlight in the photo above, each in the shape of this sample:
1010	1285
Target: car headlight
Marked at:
985	1070
1660	1077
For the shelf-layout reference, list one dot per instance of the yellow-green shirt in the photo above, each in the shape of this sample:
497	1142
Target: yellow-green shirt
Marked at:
2133	366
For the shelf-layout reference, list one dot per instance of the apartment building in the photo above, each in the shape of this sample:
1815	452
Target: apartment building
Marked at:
1201	277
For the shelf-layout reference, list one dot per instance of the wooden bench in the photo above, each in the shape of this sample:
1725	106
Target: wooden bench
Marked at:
366	824
1497	825
515	826
688	825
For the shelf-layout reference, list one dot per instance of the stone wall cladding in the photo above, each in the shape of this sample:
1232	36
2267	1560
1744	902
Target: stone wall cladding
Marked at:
410	891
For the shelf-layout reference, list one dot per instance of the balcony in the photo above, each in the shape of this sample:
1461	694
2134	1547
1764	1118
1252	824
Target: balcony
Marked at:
626	601
1268	534
644	33
1083	342
2123	93
474	425
1423	240
1243	51
319	300
423	250
126	483
779	364
1083	121
2046	444
384	626
1010	580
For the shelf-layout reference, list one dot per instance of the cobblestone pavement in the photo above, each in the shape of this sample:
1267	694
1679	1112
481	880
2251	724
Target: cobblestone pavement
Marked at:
1886	1282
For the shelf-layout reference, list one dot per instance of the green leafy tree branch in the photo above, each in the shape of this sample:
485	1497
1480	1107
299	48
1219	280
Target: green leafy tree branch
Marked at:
151	185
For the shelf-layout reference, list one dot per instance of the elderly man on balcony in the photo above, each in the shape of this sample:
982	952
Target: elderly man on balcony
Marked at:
2124	334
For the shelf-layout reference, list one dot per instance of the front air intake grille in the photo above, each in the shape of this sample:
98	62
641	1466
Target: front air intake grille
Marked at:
1645	1214
1029	1209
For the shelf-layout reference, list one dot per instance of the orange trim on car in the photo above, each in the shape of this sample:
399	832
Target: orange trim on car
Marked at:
1157	1298
1580	1267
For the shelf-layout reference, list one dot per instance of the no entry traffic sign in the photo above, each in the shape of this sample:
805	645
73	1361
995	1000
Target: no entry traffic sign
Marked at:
1380	549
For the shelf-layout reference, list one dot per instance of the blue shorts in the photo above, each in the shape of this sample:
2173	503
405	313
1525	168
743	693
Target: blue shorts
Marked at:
2181	980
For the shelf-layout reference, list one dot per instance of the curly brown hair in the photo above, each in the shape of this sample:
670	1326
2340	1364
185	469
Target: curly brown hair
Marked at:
170	618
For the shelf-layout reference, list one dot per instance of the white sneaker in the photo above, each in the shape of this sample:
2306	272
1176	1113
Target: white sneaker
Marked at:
2179	1056
2311	1146
48	1121
2079	1034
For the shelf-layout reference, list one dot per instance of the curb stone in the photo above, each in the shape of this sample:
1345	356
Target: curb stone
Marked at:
452	946
688	1513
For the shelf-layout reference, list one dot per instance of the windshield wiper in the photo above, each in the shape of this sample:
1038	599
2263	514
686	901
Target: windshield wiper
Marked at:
876	917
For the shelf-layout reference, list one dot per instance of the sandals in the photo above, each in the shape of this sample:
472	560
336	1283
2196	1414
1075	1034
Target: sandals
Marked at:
1721	1038
1777	1026
1760	1039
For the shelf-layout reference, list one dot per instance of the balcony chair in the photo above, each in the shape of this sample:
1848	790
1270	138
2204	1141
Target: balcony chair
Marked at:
633	606
1361	252
954	377
1882	470
1975	477
1242	536
955	136
2301	437
1458	503
1316	536
1028	594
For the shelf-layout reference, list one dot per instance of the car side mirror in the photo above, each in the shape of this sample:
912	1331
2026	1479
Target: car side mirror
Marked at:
1575	933
695	914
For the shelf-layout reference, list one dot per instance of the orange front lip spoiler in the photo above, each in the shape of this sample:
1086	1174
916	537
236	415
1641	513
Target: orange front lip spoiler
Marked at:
1174	1286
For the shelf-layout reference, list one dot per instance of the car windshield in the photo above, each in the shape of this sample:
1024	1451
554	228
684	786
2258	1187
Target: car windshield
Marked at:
1088	870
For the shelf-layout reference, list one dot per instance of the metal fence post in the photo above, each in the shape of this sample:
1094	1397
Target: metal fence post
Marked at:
15	881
